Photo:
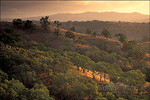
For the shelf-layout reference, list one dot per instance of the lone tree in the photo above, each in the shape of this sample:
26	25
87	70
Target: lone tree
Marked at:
106	33
45	22
17	22
88	31
73	29
70	35
57	32
94	34
29	25
57	23
121	37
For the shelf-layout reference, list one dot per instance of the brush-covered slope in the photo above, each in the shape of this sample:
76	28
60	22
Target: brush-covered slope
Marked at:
43	66
134	31
61	43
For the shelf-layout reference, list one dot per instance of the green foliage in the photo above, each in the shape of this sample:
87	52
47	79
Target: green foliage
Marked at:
73	29
107	48
9	37
94	34
97	55
133	78
111	69
29	25
80	40
13	89
28	76
40	92
100	67
101	98
71	86
88	31
3	76
147	74
17	22
121	37
23	70
110	96
80	50
120	98
79	60
45	22
103	45
131	30
70	35
57	23
57	32
61	64
106	33
134	50
136	53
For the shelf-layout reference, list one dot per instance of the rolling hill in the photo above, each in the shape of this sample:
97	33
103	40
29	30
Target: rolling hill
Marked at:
89	16
42	64
102	16
41	36
134	31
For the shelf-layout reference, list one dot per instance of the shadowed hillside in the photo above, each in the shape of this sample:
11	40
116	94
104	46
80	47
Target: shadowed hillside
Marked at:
134	31
41	36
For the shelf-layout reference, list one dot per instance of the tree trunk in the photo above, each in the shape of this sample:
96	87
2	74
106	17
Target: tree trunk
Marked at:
104	77
100	77
77	68
93	76
83	70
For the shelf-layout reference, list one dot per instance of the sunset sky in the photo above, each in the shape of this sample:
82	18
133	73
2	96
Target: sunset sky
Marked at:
21	9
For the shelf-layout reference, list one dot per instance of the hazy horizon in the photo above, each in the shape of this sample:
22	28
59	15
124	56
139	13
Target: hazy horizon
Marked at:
81	13
24	9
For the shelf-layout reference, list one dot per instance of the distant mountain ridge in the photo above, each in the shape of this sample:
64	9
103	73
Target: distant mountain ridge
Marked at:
102	16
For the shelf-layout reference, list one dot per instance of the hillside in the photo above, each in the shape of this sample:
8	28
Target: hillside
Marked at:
102	16
38	64
89	16
145	46
62	43
41	36
134	31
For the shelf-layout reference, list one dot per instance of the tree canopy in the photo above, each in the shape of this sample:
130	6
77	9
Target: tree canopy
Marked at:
121	37
70	35
45	21
106	33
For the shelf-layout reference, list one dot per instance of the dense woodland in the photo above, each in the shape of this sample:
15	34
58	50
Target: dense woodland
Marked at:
37	63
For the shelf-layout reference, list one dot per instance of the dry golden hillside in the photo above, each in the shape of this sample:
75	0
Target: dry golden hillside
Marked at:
41	36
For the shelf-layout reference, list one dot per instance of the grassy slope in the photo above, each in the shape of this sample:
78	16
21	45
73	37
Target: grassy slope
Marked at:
41	36
145	46
134	31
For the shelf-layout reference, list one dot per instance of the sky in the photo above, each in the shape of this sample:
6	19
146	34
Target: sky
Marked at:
22	9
